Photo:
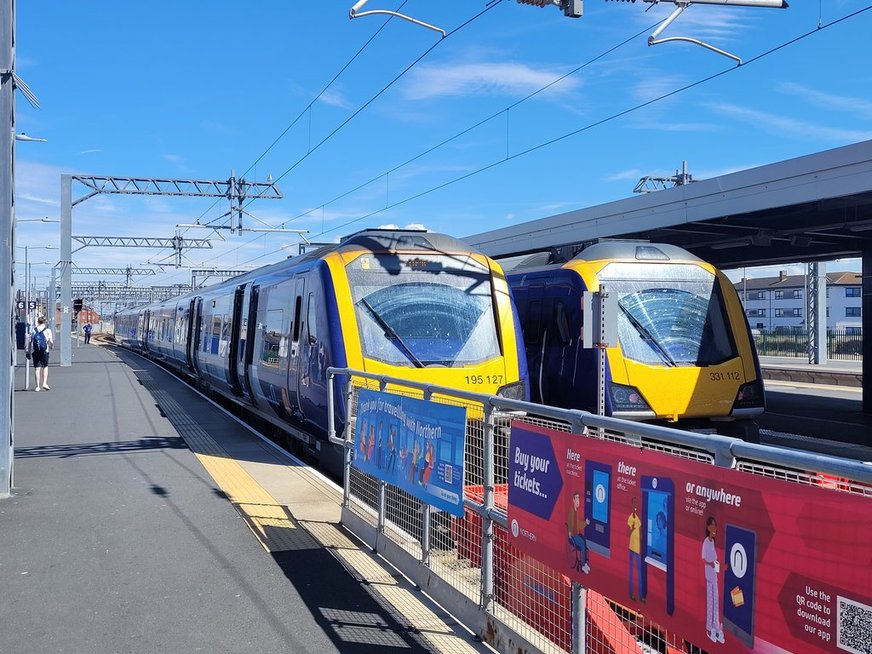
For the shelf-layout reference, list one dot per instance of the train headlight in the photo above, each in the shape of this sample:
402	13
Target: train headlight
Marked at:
750	396
627	398
516	391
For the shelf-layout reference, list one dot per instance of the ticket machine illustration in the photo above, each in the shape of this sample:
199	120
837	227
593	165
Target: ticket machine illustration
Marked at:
739	583
597	506
658	518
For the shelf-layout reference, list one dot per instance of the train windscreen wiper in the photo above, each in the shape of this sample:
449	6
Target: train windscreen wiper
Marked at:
647	335
391	333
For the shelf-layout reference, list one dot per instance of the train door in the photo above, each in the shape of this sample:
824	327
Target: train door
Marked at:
146	329
189	329
195	334
246	348
295	351
533	325
561	330
238	325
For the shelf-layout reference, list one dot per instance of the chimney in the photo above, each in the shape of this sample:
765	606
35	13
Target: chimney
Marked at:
782	275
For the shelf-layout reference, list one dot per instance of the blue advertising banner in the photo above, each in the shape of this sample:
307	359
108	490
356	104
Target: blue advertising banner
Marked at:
414	445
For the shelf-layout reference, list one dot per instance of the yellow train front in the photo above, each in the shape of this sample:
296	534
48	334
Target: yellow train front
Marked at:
423	306
685	353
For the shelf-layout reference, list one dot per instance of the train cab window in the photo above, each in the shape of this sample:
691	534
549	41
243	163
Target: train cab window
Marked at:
670	314
424	310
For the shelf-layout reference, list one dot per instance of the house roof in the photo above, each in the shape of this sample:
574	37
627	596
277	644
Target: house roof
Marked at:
796	281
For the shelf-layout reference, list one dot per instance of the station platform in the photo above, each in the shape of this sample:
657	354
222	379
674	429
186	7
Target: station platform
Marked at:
146	519
795	369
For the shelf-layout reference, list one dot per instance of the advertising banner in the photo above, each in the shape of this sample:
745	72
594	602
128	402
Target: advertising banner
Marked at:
730	561
414	445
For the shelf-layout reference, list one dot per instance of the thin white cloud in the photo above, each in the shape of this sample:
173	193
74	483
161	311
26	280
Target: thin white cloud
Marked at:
788	127
483	78
335	98
624	175
856	105
703	22
178	161
91	151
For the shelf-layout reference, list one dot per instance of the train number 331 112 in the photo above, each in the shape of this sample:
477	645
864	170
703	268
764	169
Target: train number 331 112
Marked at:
724	376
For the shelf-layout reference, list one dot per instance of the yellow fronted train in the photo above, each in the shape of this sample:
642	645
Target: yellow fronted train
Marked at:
685	355
410	304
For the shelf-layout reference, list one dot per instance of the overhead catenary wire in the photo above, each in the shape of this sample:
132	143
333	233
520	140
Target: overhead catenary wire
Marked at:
308	108
544	144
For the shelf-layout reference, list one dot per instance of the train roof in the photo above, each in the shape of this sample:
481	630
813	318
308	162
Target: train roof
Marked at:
367	239
609	249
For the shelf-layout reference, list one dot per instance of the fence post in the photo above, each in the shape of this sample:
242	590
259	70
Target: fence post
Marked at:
382	485
349	451
425	516
579	619
487	523
578	593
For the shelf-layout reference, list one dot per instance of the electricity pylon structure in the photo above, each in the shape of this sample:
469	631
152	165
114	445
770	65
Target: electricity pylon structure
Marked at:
206	273
177	243
574	9
651	183
236	190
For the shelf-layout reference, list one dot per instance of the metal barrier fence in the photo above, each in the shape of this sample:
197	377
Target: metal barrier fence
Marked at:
468	564
841	345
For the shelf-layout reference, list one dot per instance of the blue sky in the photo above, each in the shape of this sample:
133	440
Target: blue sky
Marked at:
194	90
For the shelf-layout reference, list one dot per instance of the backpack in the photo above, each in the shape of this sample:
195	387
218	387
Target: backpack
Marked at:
38	343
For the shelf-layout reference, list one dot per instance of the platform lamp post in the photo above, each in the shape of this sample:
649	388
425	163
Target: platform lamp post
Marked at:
9	83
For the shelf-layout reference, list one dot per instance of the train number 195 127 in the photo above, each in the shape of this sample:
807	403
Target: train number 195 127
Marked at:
475	380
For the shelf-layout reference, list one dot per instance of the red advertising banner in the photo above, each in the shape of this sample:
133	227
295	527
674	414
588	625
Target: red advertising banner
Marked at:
732	562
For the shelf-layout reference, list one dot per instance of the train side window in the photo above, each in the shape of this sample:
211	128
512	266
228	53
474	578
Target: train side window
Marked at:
216	333
533	323
272	337
297	306
312	323
563	335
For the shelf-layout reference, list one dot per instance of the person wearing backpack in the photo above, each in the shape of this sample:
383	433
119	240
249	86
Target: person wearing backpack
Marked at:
41	342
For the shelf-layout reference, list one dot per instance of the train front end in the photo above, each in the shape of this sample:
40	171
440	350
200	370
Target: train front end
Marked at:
424	307
685	351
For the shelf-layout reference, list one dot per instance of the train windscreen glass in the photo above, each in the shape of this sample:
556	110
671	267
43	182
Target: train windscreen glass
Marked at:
424	310
669	314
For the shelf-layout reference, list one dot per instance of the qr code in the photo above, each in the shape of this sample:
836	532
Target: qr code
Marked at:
449	473
854	626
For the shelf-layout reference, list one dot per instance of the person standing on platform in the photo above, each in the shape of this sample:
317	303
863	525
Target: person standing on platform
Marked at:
38	347
87	330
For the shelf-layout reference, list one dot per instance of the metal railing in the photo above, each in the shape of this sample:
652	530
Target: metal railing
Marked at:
841	345
469	565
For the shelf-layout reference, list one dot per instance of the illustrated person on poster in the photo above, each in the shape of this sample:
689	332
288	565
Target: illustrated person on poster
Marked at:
371	445
713	625
634	525
575	525
392	448
362	440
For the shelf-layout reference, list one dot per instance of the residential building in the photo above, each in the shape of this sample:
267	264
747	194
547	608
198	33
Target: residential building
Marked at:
778	304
